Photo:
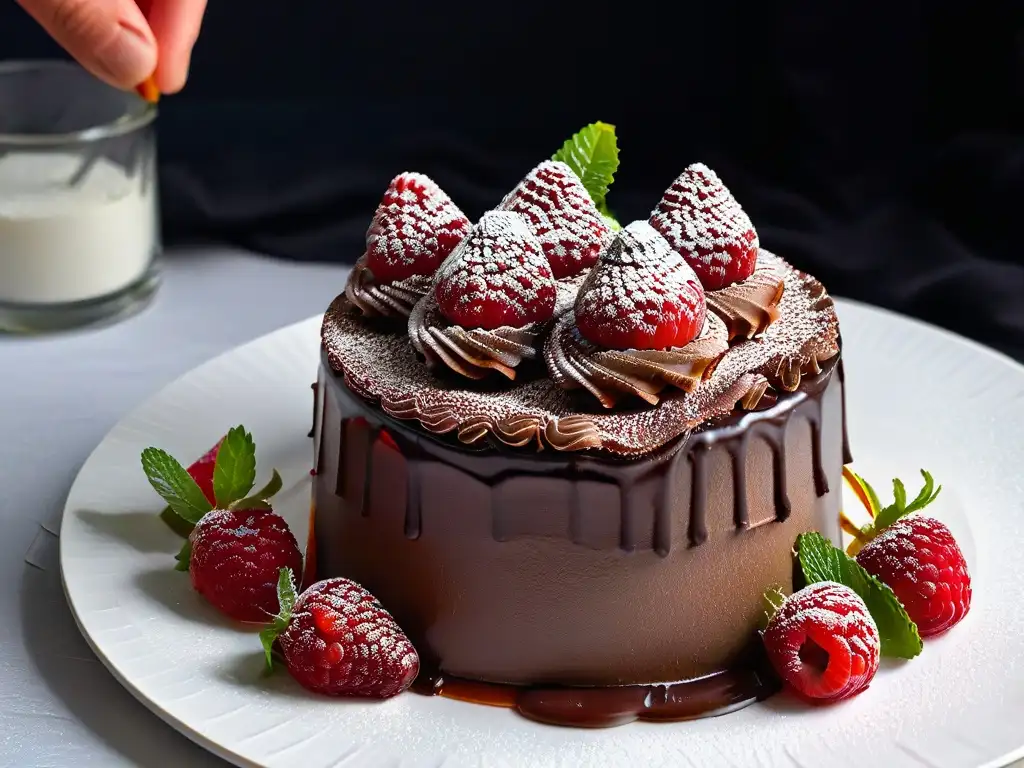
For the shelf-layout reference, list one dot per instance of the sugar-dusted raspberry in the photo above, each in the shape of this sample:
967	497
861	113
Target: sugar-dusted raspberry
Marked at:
497	277
823	642
702	221
237	555
562	215
918	558
641	295
413	230
340	641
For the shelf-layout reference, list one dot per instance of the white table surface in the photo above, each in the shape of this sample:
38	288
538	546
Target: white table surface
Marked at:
59	395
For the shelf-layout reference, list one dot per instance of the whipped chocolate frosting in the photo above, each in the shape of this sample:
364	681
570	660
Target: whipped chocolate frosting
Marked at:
750	306
383	368
391	300
476	352
612	374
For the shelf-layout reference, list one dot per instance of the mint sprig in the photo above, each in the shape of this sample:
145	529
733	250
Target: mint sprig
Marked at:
286	597
593	155
259	500
821	561
234	471
175	485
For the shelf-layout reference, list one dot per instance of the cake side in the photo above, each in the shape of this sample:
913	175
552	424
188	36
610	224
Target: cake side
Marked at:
569	568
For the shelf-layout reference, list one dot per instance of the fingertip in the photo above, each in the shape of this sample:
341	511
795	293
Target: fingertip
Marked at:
171	77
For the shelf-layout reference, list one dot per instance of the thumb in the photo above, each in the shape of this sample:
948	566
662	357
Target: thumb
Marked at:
110	38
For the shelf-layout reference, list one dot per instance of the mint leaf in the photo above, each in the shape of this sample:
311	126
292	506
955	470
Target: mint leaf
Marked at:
184	556
176	522
286	597
821	561
234	472
259	499
593	154
899	508
175	485
771	601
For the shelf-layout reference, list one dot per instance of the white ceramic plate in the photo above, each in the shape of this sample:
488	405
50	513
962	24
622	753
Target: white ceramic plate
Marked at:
918	397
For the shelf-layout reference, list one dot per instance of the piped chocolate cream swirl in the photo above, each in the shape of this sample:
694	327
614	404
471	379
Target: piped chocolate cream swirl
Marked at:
612	374
477	352
750	306
390	300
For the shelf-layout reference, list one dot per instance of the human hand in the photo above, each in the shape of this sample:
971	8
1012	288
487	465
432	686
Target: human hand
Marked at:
124	42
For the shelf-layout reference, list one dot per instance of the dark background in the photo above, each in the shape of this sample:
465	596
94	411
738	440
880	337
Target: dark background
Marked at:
879	146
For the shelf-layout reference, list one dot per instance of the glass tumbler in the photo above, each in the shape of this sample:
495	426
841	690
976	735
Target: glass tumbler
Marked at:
79	210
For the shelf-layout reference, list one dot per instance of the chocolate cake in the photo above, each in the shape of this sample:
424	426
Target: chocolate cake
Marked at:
570	458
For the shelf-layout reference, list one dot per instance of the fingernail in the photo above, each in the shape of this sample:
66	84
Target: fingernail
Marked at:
148	90
131	57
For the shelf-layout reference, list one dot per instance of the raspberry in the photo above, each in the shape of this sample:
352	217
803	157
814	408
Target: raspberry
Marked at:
702	221
641	295
497	277
413	230
918	558
237	555
341	642
562	215
823	642
202	471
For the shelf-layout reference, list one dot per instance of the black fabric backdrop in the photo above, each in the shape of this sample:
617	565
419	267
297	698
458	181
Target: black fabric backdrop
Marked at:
879	146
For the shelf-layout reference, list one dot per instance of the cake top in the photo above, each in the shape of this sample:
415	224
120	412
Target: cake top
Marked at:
547	325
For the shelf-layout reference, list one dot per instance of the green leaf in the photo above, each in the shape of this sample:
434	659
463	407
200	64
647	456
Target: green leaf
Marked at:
593	154
286	597
771	601
175	485
259	499
821	561
234	472
176	522
868	492
184	556
899	508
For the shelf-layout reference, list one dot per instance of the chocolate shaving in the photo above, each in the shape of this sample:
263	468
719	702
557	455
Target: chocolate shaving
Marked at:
382	367
754	395
750	306
391	300
611	375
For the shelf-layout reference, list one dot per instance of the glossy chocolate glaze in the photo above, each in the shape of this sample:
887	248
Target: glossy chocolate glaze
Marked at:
579	580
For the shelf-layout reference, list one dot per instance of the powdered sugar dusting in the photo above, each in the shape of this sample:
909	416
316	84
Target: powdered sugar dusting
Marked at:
641	291
561	214
702	220
382	367
413	230
341	641
496	277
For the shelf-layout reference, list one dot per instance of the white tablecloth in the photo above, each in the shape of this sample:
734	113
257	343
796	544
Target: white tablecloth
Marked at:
59	395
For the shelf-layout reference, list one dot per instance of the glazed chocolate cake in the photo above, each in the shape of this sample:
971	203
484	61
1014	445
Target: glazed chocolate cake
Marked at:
569	457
